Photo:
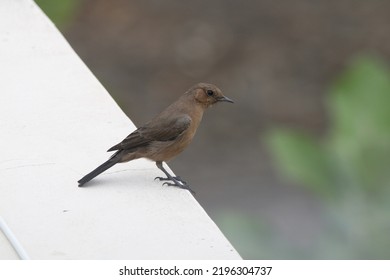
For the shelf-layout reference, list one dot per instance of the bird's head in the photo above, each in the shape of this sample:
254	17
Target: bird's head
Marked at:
208	94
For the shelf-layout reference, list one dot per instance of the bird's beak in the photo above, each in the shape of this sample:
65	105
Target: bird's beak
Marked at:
226	99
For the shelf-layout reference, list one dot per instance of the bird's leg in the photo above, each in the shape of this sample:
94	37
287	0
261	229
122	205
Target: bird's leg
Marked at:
169	176
177	181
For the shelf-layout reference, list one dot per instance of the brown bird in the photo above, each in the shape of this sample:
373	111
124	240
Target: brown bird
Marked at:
166	135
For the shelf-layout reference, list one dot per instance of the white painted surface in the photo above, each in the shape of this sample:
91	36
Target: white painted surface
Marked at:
56	122
6	250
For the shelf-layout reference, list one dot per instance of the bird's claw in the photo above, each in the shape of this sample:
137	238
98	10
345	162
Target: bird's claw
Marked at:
177	178
179	184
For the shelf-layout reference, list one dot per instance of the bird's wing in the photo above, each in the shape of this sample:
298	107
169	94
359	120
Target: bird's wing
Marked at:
163	129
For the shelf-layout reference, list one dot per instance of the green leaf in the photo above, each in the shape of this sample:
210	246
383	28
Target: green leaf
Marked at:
302	159
359	134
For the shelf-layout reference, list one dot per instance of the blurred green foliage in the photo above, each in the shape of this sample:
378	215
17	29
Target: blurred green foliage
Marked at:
255	238
61	12
350	167
348	170
355	154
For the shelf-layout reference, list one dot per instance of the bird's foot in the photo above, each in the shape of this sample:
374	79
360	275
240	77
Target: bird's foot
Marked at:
177	178
176	182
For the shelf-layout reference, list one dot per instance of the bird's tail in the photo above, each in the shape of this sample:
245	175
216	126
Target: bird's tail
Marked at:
101	168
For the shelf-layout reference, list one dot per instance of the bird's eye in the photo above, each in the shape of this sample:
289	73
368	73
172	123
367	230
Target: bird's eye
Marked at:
210	92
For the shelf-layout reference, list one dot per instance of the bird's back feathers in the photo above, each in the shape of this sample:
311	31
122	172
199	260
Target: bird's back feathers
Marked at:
159	129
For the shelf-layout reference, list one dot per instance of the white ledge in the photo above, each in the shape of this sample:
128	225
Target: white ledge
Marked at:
56	122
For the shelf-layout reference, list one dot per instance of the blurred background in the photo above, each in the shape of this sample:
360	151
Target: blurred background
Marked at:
298	167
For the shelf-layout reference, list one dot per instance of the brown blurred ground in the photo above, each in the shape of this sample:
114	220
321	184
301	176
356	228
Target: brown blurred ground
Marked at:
275	58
